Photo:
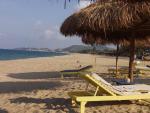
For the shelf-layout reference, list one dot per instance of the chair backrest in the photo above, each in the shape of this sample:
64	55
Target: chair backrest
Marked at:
104	86
86	68
95	80
97	77
107	88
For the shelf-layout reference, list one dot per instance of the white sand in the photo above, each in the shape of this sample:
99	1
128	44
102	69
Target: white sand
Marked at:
34	86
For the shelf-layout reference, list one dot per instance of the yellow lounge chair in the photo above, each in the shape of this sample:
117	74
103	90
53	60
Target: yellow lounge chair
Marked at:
143	69
76	71
112	70
106	92
123	70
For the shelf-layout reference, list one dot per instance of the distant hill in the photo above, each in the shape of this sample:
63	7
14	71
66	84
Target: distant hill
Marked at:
34	49
73	49
77	48
84	49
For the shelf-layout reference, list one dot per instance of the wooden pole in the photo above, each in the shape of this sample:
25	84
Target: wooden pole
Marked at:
131	62
94	53
117	55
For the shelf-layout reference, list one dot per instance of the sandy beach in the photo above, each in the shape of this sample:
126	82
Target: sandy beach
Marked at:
34	85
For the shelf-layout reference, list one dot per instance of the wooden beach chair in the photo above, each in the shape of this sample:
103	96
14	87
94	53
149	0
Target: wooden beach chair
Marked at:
123	71
143	69
106	92
76	71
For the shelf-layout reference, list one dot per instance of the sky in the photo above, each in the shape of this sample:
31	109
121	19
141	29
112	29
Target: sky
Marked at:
36	23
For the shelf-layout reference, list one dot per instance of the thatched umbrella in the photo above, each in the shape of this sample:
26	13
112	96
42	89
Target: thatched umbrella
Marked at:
92	40
115	22
103	20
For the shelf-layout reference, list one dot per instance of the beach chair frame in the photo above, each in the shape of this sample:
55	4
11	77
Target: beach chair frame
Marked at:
83	97
85	69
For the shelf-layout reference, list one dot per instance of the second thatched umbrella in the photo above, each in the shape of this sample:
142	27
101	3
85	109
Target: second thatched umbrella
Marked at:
114	22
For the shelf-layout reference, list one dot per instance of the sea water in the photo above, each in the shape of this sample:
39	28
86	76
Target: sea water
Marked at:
7	54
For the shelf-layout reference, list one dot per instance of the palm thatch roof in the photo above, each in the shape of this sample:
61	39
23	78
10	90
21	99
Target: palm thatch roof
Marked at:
131	1
92	40
110	21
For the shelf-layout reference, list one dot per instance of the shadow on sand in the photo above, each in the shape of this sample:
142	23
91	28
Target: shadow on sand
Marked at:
14	87
136	80
50	103
42	75
109	103
35	75
3	111
61	103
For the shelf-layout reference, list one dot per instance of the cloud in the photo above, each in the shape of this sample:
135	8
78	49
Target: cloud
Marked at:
58	34
38	23
48	33
2	35
56	28
83	4
42	30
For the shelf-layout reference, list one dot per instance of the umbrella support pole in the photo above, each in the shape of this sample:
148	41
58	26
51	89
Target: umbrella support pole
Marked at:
131	62
117	55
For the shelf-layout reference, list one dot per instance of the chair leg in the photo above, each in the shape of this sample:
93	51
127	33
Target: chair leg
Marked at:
82	107
73	102
62	76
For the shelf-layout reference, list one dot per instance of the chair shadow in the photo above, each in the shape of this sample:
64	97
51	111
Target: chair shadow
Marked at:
109	103
142	81
35	75
3	111
41	75
15	87
136	80
61	103
50	103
